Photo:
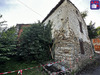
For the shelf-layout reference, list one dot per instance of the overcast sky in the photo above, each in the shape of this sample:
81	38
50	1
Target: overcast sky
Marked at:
30	11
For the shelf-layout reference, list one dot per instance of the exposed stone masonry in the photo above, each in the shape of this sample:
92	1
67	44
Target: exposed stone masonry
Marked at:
66	32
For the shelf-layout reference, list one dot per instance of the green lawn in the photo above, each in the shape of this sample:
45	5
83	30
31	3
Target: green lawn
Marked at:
15	65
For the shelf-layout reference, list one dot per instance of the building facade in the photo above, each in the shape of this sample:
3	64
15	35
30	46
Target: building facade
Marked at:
69	30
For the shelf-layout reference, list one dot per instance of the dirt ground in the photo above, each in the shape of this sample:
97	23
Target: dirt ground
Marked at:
92	68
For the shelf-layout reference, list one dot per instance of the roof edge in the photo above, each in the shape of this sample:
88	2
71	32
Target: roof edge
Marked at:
53	10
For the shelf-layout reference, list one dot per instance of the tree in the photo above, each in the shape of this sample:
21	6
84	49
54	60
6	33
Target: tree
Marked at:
92	32
3	26
84	14
98	30
35	42
7	44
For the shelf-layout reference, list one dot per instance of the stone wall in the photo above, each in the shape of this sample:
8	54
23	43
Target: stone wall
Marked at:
66	31
68	49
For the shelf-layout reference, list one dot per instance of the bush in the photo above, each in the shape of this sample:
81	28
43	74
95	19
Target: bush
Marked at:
7	44
35	42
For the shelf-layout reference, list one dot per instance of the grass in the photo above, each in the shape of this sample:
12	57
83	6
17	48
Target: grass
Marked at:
13	65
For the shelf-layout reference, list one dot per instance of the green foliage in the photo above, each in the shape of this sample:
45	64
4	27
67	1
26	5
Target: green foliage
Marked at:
14	65
2	22
35	42
98	30
7	44
92	32
84	14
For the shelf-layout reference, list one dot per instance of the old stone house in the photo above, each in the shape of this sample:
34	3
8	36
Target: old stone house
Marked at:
69	30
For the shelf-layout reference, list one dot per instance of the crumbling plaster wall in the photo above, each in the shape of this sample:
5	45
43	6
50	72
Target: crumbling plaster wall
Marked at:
66	31
74	19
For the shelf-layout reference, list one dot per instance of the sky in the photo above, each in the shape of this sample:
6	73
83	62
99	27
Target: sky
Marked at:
30	11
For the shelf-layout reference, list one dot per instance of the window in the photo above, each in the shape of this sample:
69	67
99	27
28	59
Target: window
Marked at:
77	12
81	46
80	24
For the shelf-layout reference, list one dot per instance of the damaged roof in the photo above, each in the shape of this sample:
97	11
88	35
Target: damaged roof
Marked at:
54	9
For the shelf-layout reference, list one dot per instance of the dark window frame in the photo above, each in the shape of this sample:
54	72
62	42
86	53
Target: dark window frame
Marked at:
80	24
81	46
